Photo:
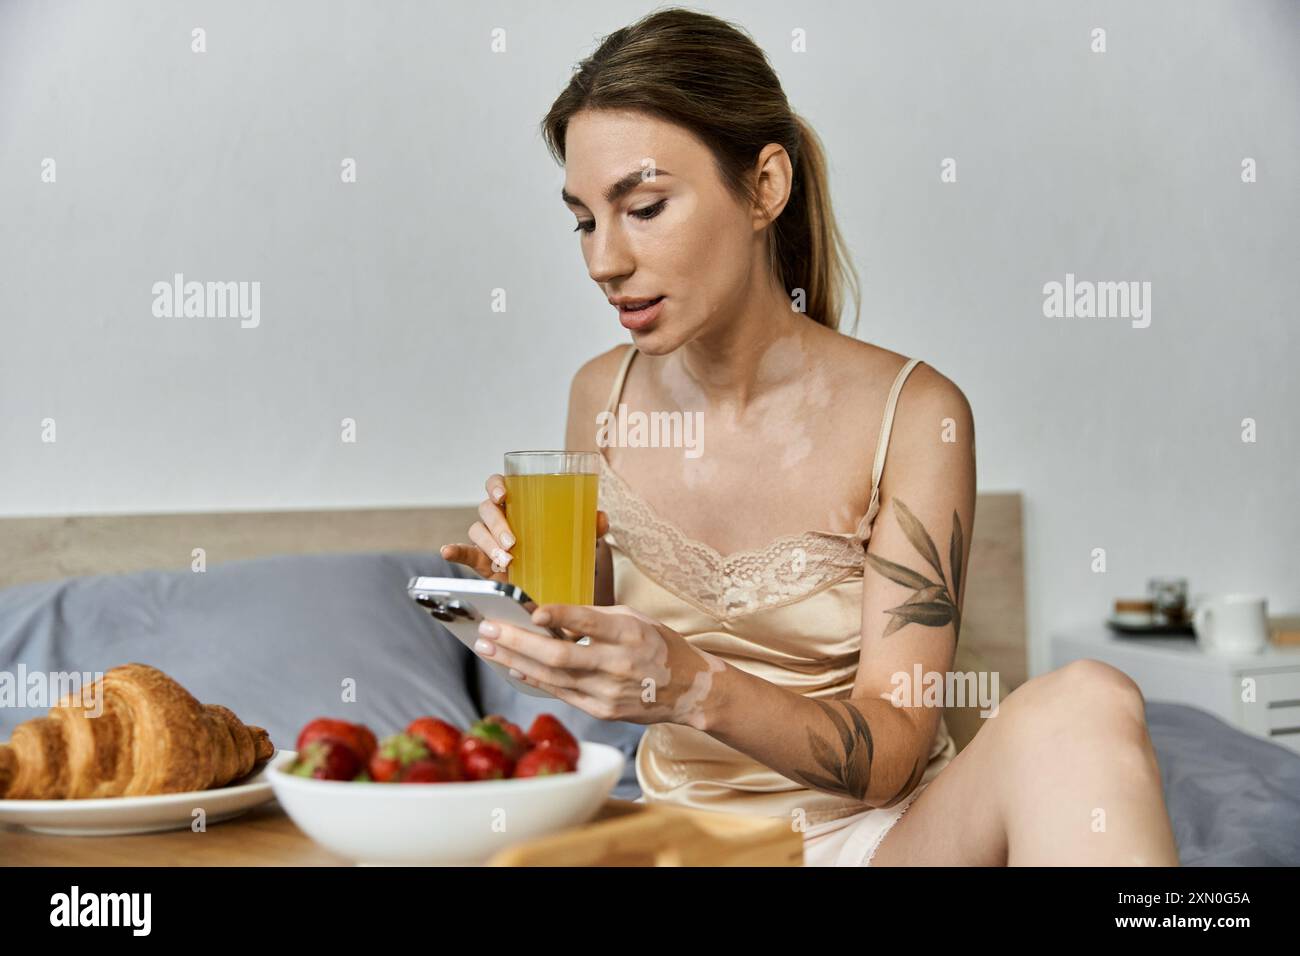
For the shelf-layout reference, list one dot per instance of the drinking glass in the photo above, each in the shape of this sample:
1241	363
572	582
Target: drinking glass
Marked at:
551	508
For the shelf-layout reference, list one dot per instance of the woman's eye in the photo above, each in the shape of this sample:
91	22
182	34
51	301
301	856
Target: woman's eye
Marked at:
648	212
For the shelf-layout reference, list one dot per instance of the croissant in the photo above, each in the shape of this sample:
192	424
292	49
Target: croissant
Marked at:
142	733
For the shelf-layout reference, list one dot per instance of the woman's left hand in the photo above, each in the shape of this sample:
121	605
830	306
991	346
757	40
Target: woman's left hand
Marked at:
634	669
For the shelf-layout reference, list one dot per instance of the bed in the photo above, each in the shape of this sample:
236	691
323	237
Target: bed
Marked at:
277	614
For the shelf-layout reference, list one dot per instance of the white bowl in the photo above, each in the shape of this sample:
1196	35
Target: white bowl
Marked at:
461	823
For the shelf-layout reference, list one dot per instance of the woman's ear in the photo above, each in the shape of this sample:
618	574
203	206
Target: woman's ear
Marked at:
774	179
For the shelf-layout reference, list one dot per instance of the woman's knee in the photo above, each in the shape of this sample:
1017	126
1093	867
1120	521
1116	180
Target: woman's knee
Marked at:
1084	696
1097	684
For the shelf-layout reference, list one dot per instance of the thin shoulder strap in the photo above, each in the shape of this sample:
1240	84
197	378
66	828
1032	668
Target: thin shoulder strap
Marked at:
887	425
617	390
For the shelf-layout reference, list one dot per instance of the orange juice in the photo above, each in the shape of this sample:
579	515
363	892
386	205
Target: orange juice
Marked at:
553	518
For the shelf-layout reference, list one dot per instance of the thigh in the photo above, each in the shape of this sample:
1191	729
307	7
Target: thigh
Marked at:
963	817
957	819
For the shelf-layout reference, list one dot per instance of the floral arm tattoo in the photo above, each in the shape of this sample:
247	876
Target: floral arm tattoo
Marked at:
931	603
845	768
844	761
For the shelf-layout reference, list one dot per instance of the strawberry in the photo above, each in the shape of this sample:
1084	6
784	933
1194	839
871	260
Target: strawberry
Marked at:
542	761
357	736
483	759
394	753
430	770
547	731
439	736
521	742
326	758
496	732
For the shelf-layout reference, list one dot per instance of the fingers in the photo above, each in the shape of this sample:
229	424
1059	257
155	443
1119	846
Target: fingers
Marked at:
494	519
582	701
583	619
586	676
495	537
503	650
624	609
468	555
496	488
491	536
541	648
489	546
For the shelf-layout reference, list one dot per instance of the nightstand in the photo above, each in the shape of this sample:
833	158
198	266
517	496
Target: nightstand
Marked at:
1176	669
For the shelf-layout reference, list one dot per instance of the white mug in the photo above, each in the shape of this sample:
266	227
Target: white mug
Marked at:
1232	624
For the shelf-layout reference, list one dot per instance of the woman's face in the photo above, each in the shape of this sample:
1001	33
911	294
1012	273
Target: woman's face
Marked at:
655	220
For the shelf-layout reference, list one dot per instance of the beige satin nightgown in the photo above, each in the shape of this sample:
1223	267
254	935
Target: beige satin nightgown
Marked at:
790	613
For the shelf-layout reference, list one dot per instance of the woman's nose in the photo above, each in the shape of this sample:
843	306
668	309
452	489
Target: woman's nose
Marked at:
608	256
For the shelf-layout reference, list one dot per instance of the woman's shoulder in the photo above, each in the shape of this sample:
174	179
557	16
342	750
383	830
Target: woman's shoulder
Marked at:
593	379
875	368
925	384
926	398
588	393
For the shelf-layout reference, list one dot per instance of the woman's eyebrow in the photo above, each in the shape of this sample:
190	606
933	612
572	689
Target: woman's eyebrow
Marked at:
617	191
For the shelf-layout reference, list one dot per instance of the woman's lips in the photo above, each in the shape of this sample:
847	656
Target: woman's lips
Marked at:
636	319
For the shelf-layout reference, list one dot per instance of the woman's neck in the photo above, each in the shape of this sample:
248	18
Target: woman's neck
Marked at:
737	362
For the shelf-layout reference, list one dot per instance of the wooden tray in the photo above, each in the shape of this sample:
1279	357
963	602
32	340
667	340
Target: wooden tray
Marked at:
623	833
626	833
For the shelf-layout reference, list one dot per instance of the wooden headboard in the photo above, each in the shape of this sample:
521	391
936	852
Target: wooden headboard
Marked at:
40	549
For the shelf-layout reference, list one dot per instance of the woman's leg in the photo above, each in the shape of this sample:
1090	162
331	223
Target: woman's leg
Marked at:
1065	774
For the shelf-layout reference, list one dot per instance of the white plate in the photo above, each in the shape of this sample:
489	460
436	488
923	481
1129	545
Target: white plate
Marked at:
116	816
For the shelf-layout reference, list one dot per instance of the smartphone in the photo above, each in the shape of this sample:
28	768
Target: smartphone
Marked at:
461	603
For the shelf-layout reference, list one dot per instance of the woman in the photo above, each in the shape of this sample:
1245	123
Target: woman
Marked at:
762	655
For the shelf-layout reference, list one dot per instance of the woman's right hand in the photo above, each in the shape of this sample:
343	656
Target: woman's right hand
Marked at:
489	555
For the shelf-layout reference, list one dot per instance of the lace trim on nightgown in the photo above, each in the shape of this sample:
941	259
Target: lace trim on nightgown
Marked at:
788	569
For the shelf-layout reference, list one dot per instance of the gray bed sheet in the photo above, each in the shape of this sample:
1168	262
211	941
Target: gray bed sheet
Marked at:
1234	799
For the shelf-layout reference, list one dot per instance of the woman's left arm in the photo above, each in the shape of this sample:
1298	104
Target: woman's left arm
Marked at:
874	744
866	746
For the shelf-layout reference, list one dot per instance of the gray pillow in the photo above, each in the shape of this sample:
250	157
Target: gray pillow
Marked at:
275	639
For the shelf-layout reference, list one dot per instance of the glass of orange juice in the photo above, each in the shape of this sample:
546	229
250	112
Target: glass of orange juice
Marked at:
551	508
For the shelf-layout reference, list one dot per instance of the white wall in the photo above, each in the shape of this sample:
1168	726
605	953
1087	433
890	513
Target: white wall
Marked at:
375	296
